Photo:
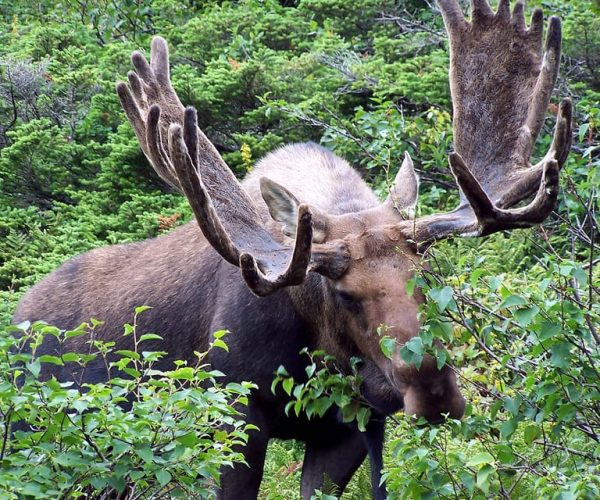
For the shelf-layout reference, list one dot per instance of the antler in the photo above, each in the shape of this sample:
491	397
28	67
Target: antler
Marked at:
189	162
501	81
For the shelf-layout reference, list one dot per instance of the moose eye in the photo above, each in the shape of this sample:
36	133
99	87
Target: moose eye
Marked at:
348	301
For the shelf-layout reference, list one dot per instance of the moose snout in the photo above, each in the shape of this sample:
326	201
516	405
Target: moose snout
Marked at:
428	392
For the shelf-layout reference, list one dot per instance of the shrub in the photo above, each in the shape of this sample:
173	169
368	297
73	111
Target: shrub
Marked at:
143	431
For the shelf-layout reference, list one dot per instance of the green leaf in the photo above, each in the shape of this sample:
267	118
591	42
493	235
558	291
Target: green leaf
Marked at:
34	367
561	355
141	309
512	405
297	407
220	333
511	301
145	453
475	275
549	330
440	357
220	344
163	477
46	358
150	336
118	483
580	275
287	385
531	433
184	373
281	371
505	454
412	352
362	418
126	353
525	316
188	440
480	459
322	405
70	357
582	131
388	346
441	296
483	475
274	384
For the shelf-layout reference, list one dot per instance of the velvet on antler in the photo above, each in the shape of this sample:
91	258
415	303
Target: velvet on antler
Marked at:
183	156
501	80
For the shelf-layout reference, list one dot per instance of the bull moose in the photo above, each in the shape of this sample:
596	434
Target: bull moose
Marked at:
323	262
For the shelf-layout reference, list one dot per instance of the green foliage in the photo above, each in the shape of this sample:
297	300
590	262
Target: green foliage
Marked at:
157	432
42	164
530	367
528	348
326	386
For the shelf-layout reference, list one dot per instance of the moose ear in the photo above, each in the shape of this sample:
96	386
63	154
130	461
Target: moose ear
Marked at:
405	190
283	207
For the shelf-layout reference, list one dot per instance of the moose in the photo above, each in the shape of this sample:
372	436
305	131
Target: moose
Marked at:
302	254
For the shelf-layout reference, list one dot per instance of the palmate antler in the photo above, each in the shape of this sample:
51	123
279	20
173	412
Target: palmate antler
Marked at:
501	80
189	162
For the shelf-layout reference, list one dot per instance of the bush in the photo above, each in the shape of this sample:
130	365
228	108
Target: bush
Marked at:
144	431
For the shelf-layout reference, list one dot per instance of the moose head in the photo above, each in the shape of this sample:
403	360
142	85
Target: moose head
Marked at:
357	260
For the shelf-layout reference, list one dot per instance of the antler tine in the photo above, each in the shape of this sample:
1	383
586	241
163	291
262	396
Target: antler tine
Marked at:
490	218
503	11
518	15
543	88
159	60
529	179
260	283
198	196
156	152
480	10
453	16
536	27
152	150
563	136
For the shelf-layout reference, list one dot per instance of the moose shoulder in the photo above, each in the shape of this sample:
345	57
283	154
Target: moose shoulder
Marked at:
302	254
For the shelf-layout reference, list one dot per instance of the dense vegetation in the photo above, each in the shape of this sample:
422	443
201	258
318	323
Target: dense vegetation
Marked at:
519	311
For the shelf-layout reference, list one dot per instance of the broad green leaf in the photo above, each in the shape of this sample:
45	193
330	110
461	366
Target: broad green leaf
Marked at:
525	316
287	385
220	344
388	346
54	360
442	297
480	459
163	477
150	336
511	301
531	433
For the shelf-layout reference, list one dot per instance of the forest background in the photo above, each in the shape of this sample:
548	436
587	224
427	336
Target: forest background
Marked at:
367	79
